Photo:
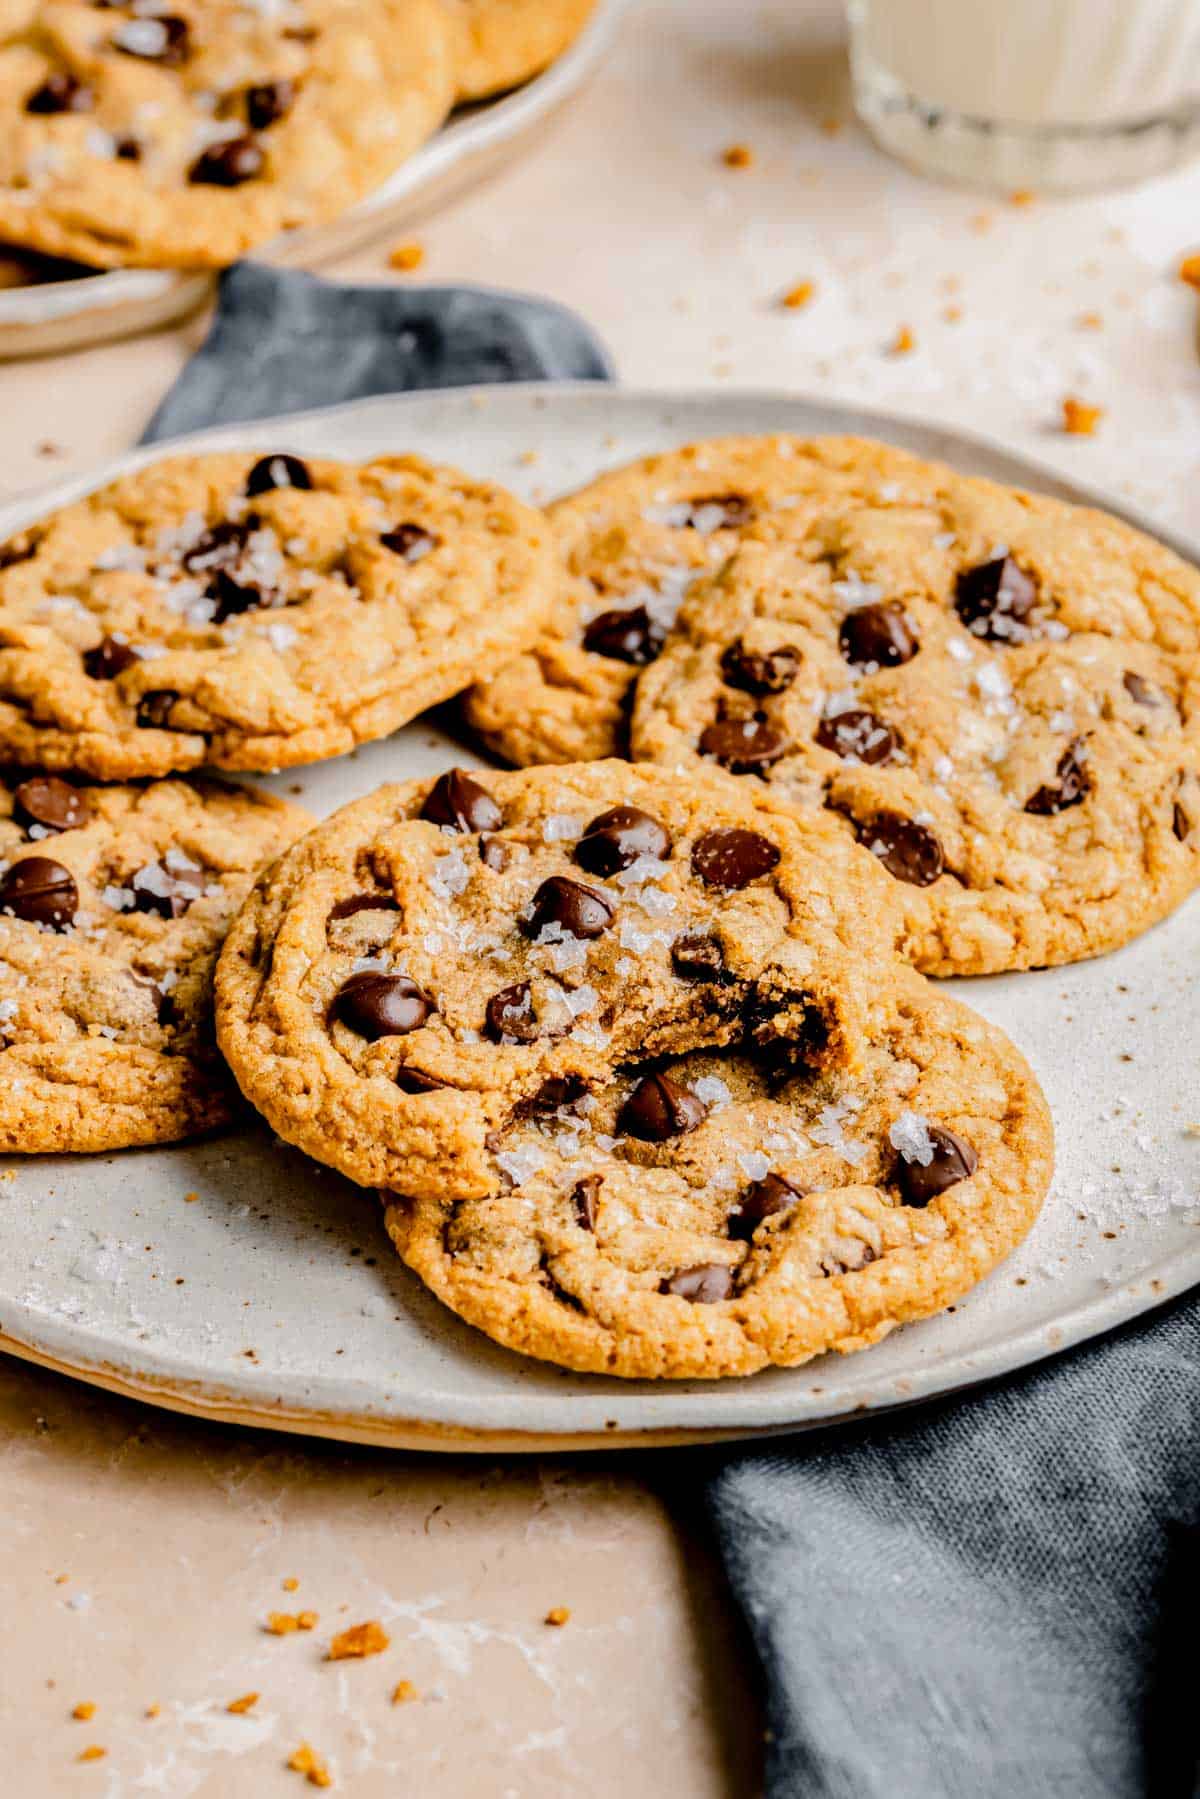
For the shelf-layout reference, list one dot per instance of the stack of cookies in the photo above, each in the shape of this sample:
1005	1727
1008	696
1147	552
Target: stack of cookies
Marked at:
636	1041
184	134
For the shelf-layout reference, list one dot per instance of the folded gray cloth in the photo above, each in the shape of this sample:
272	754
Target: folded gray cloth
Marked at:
994	1598
282	341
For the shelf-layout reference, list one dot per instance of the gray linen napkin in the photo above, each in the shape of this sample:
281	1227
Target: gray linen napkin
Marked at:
994	1598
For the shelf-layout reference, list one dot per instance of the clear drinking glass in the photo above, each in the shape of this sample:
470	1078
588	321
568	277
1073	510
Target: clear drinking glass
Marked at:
1052	95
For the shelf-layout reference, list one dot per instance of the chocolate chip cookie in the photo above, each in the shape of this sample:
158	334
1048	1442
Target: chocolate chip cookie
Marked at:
442	957
503	42
183	134
714	1213
998	694
256	612
113	903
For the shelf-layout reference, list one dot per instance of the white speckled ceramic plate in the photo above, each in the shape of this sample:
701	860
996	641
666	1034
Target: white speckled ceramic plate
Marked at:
69	315
274	1296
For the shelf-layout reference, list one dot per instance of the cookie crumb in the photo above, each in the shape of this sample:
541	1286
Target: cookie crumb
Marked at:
95	1752
1022	196
952	314
290	1584
282	1624
799	296
189	1199
404	1692
153	1711
903	342
407	257
314	1767
737	156
558	1614
84	1710
244	1704
981	222
830	126
359	1640
1090	321
1189	270
1079	419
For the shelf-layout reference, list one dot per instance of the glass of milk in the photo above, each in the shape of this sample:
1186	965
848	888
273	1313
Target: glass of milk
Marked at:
1050	95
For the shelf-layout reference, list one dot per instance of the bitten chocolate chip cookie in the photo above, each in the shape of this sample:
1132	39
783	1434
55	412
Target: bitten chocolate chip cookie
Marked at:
714	1213
113	904
504	42
634	542
180	135
443	956
256	613
998	694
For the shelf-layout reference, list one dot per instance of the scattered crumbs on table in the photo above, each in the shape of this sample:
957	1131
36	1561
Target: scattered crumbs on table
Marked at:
981	222
153	1711
404	1692
407	257
314	1767
737	156
60	1580
84	1710
95	1752
1080	419
1090	321
290	1584
952	313
799	296
558	1615
246	1703
830	126
358	1640
903	342
189	1199
1022	196
528	458
1189	270
282	1624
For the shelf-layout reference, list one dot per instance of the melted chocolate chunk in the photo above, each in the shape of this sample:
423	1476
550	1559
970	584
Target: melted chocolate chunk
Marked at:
409	542
731	857
229	164
108	659
163	38
269	102
510	1016
155	708
277	471
411	1080
954	1160
17	549
52	803
760	671
995	599
61	92
458	802
127	149
382	1005
1070	784
584	1197
695	956
628	635
1181	824
363	902
659	1108
765	1199
234	595
494	853
1140	691
860	735
579	910
878	636
167	890
559	1090
909	851
715	512
39	891
223	546
703	1285
744	746
616	839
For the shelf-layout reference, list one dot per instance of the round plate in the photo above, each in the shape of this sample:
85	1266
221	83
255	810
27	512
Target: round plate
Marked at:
475	143
271	1295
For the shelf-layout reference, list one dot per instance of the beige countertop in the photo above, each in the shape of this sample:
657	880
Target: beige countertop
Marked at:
141	1553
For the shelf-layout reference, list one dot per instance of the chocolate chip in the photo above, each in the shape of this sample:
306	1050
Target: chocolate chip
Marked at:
108	659
460	803
753	671
167	888
17	549
494	853
411	1080
52	803
703	1285
995	599
559	1090
714	512
223	546
909	851
163	38
510	1015
127	149
616	839
731	857
234	596
410	542
40	891
878	636
659	1108
363	902
1070	784
229	164
269	102
155	708
277	471
61	92
578	910
1141	691
584	1196
1181	824
859	735
382	1005
744	746
695	956
765	1199
954	1160
628	635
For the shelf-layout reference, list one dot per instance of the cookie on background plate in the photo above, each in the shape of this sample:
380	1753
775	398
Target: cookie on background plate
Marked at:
997	693
445	955
703	1217
257	612
503	42
181	136
113	904
634	541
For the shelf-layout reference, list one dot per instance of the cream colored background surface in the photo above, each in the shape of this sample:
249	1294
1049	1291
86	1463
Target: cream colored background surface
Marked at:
174	1538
